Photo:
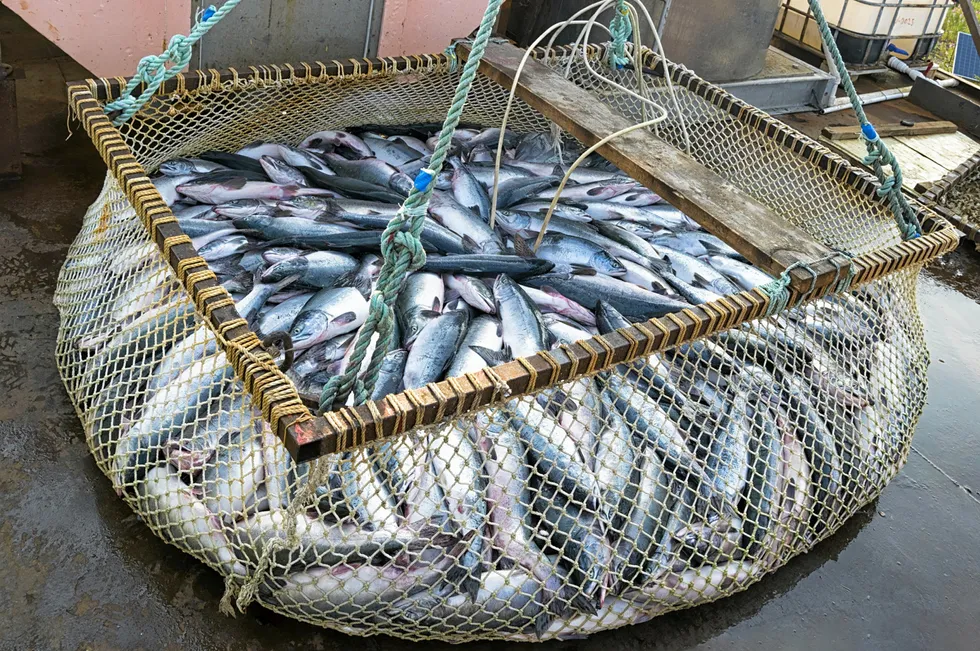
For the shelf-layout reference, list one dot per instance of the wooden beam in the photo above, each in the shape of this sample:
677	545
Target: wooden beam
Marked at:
928	128
947	104
764	238
971	21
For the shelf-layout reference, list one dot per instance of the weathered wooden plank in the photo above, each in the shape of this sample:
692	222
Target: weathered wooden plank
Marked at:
767	240
947	104
924	158
948	150
886	130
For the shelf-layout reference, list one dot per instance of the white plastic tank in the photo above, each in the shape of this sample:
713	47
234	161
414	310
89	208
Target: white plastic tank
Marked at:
865	27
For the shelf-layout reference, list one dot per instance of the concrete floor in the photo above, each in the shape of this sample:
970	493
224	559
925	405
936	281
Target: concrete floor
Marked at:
79	571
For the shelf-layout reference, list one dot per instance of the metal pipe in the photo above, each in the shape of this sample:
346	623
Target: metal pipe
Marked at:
830	93
367	36
663	16
843	103
899	65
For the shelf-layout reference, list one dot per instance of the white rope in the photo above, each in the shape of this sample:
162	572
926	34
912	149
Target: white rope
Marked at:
582	41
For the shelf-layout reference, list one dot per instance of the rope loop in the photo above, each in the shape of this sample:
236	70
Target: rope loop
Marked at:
401	247
152	71
878	156
621	29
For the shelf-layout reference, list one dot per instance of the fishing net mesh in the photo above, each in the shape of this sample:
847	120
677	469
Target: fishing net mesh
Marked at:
962	198
661	484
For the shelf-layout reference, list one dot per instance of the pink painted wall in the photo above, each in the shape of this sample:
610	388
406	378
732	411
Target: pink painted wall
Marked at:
108	37
424	26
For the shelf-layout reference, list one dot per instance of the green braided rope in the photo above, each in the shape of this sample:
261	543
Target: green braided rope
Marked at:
879	155
778	290
152	70
400	246
621	29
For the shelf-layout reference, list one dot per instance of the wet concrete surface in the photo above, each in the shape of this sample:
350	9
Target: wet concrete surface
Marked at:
79	570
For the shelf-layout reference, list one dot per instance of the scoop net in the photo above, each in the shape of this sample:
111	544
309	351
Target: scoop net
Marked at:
629	490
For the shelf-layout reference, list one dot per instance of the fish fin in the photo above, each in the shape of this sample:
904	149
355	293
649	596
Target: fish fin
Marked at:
585	604
470	244
541	624
522	248
701	280
235	182
657	265
492	357
345	318
558	171
551	291
582	270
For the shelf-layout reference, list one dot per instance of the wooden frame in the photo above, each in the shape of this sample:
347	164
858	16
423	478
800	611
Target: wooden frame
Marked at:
307	437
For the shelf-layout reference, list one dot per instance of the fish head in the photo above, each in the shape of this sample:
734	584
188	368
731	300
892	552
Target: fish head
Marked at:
245	208
607	264
296	266
415	323
609	318
309	329
177	167
279	253
307	207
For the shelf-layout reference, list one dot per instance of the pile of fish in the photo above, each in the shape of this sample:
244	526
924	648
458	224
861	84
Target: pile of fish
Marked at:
663	482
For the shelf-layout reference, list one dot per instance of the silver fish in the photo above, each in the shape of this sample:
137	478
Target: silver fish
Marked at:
282	173
420	301
170	507
370	170
524	330
694	271
448	212
473	290
595	191
217	192
321	269
628	298
434	349
744	274
485	332
281	317
300	158
558	247
324	139
330	312
468	191
235	474
164	415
